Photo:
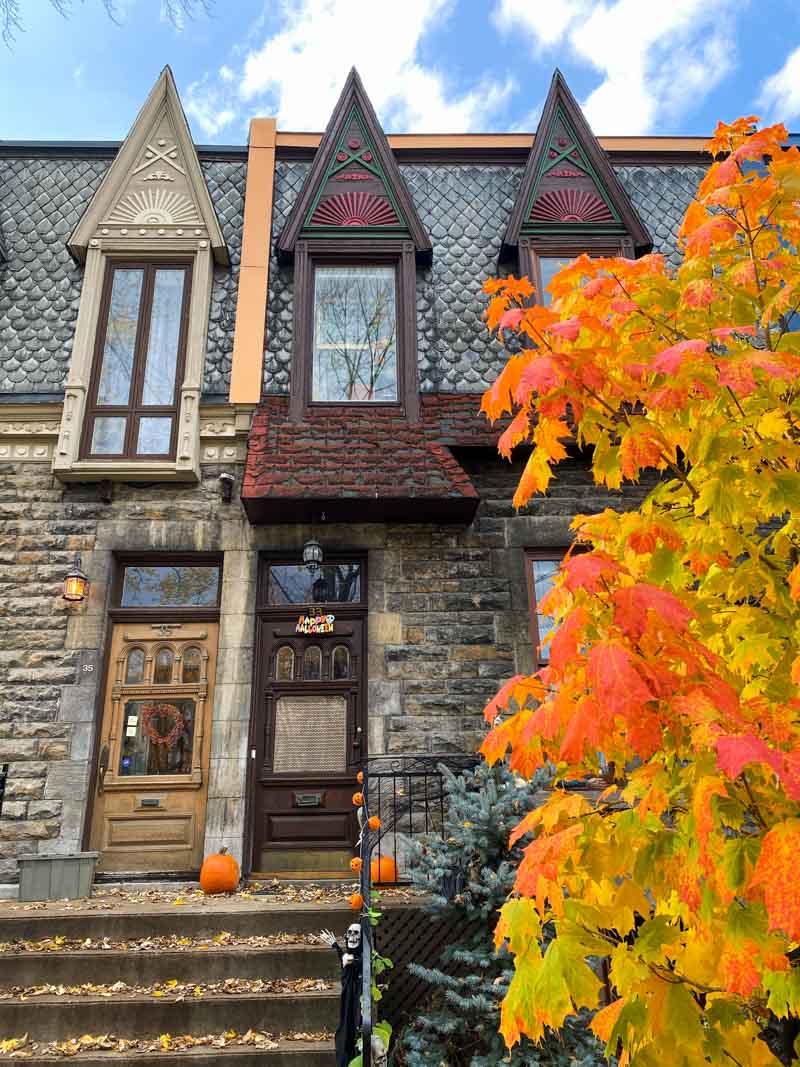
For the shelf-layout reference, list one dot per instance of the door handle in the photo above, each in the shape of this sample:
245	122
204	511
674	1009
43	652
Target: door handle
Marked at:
102	767
357	739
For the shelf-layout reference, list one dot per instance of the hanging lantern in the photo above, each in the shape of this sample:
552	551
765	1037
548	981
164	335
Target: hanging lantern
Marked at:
76	584
312	555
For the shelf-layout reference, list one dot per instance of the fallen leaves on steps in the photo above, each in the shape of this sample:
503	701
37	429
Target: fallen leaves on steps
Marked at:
25	1047
172	988
167	943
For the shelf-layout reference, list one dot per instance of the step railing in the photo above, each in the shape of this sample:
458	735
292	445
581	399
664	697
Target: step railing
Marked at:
408	797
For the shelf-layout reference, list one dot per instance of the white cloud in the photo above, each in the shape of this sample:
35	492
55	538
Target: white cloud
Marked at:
207	105
658	59
780	93
226	73
300	70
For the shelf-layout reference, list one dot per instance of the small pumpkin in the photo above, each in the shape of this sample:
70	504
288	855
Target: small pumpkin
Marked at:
383	869
356	901
373	822
356	864
360	777
219	873
358	799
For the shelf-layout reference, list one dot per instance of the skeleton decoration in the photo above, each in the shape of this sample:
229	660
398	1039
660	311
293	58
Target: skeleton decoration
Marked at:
350	1002
380	1055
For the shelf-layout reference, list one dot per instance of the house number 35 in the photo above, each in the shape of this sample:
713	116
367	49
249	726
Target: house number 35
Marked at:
87	668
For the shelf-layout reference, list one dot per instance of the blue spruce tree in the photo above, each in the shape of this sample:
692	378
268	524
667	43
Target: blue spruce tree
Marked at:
468	873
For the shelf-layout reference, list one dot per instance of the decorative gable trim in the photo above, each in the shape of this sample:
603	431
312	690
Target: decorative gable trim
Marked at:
354	188
569	187
154	190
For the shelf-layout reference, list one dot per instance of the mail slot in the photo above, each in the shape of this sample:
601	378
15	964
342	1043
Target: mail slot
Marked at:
150	802
308	800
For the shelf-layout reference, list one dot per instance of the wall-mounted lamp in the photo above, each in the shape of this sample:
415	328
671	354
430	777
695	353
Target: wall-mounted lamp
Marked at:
76	584
226	484
312	555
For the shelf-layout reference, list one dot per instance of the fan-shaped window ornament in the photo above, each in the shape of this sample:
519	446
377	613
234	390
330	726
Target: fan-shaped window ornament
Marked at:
341	663
354	209
312	663
192	664
284	664
134	667
162	672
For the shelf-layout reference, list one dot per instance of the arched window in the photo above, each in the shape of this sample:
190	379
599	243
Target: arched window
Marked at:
162	674
284	664
341	662
192	661
312	663
134	668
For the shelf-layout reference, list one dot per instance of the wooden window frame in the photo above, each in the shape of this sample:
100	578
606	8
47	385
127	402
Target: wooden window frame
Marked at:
206	613
554	555
345	609
532	249
135	410
354	252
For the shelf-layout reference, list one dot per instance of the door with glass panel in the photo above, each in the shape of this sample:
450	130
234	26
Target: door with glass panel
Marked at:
310	729
152	770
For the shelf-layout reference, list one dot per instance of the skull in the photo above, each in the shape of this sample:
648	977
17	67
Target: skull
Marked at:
380	1057
352	938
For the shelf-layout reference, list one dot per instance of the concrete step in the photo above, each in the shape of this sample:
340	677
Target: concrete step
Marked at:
288	1054
162	920
148	966
52	1018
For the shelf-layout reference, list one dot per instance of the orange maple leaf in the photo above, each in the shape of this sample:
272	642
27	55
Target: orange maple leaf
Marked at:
614	678
777	873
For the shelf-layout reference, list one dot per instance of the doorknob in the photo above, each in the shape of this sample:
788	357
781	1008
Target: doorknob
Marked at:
357	738
102	767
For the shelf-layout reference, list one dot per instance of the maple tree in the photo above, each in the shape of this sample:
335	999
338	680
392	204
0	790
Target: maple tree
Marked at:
677	650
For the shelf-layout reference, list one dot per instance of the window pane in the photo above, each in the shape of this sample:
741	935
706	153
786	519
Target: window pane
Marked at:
284	664
154	436
338	583
157	737
544	572
120	342
192	661
341	662
162	673
312	664
549	266
108	435
165	586
355	354
134	671
165	328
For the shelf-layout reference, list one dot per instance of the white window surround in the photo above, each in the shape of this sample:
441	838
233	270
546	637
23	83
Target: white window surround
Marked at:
152	202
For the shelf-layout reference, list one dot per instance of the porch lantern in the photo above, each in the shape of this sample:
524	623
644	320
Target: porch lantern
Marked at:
312	555
76	584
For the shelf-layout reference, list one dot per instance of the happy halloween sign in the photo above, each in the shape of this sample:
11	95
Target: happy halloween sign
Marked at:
315	624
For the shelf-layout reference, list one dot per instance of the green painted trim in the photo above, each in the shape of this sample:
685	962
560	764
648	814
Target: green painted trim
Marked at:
546	165
334	166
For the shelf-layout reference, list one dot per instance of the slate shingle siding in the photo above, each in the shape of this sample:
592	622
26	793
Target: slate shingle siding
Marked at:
41	201
465	209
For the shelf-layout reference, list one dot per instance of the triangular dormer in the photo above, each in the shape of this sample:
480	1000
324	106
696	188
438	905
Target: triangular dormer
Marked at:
354	188
569	188
155	188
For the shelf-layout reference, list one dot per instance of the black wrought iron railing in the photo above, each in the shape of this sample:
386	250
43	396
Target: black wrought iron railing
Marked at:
403	797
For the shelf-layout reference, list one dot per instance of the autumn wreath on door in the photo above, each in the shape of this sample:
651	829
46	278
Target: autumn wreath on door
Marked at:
163	724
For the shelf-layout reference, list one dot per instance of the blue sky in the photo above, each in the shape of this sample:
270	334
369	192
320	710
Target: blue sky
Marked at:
636	66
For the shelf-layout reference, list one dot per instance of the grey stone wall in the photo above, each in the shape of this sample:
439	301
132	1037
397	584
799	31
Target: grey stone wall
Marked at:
51	653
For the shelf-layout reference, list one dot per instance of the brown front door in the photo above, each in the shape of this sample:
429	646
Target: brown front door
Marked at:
152	777
310	729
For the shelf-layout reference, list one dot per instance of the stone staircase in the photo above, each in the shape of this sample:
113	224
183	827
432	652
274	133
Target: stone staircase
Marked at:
152	975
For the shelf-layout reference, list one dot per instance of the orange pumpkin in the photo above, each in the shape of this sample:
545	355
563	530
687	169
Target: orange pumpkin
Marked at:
373	822
356	901
360	777
358	799
219	873
356	864
383	869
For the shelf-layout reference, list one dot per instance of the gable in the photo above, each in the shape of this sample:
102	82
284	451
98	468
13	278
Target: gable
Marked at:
569	188
354	188
155	188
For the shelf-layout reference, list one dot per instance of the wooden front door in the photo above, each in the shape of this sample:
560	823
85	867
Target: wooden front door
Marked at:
310	733
152	775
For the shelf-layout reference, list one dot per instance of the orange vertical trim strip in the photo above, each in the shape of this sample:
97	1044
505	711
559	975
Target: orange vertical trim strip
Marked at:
251	303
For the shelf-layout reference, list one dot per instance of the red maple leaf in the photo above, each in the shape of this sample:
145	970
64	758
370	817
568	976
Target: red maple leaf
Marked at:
614	679
632	605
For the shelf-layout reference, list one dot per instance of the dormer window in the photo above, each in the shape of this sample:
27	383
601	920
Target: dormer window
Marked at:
355	334
355	240
139	358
